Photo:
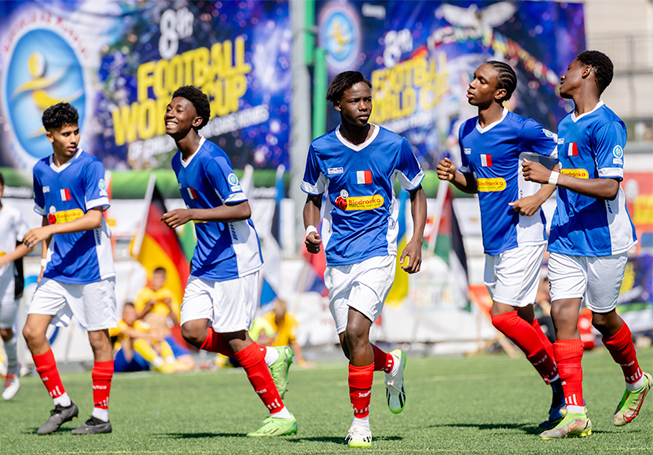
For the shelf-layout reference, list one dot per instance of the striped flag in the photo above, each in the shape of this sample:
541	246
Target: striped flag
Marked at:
65	194
486	160
361	177
192	193
572	149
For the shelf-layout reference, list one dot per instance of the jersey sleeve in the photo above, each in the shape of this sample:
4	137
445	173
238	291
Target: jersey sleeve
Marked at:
39	199
95	187
409	173
223	180
314	179
464	168
538	140
610	140
142	298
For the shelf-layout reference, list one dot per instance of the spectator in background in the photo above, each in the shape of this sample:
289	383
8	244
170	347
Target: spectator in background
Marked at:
284	325
157	305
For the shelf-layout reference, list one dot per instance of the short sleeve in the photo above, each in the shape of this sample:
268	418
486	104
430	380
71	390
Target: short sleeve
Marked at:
223	180
95	187
410	173
538	140
39	200
314	179
142	298
609	150
464	159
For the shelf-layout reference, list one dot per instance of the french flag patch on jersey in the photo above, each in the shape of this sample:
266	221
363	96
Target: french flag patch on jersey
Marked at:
486	160
361	177
572	149
192	193
64	194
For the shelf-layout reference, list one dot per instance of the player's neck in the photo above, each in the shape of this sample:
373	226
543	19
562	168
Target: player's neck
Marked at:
585	102
356	134
188	144
61	160
490	114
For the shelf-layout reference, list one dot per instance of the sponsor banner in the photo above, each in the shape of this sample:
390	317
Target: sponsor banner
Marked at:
421	55
119	63
486	185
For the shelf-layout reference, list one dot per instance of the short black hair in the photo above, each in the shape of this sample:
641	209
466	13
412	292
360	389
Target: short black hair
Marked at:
198	99
160	270
342	82
59	115
506	77
603	67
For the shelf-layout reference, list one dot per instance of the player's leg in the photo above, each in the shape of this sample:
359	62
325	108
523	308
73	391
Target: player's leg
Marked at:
605	275
8	313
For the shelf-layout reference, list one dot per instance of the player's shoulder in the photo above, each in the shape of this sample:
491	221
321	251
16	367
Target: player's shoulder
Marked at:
326	141
606	115
42	165
211	152
390	137
468	126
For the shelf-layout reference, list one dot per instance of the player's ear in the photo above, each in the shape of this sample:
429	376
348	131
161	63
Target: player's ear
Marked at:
197	121
336	104
500	94
49	135
587	70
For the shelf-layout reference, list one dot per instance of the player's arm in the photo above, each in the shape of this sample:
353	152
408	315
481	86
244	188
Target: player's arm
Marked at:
227	213
529	205
413	249
601	188
312	209
87	222
464	182
20	251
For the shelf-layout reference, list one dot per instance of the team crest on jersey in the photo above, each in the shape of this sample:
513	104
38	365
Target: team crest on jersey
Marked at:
232	179
335	170
618	152
550	134
102	185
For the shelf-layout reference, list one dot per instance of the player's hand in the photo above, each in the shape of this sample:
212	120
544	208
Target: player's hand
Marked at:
3	260
175	218
412	252
36	235
446	170
528	205
535	172
313	242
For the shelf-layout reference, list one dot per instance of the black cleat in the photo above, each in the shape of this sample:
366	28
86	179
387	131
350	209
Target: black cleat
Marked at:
93	426
58	416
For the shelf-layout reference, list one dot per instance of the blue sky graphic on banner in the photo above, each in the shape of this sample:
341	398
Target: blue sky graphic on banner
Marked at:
421	55
119	62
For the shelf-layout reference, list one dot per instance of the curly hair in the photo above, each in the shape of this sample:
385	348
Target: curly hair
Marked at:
59	115
602	65
342	82
198	99
506	77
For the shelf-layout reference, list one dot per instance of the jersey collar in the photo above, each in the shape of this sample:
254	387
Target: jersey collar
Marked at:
493	124
359	147
573	114
61	168
190	158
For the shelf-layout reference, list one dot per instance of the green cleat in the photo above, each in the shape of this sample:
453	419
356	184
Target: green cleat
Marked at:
395	393
279	369
359	436
631	403
572	425
273	426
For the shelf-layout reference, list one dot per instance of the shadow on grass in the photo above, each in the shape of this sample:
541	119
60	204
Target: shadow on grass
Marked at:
339	440
526	428
201	435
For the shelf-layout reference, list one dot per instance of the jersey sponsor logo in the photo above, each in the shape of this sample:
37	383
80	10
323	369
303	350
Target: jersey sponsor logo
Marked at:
64	216
572	149
467	151
191	193
486	160
490	185
46	189
578	173
360	177
341	200
64	195
364	202
236	188
232	179
335	170
618	152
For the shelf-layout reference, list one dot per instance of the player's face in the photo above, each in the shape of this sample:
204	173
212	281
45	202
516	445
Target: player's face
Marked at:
483	88
158	280
129	314
572	79
180	117
355	106
65	140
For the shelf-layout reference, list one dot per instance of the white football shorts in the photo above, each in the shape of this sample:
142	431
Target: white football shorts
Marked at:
93	304
230	305
8	304
596	279
363	286
512	277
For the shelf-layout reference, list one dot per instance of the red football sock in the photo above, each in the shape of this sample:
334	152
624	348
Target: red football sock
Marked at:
215	342
383	361
526	338
622	349
569	354
46	367
252	359
543	339
360	389
101	375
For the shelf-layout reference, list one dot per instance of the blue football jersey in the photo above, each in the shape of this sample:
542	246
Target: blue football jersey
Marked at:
64	194
224	251
361	212
592	148
494	155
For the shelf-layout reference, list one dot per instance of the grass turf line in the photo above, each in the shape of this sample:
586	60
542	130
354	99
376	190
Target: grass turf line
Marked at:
479	405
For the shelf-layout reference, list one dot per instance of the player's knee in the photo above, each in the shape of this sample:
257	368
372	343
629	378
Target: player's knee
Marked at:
6	334
32	334
192	334
606	322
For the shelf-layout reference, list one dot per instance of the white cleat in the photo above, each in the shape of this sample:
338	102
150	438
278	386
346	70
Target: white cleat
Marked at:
394	384
12	384
359	436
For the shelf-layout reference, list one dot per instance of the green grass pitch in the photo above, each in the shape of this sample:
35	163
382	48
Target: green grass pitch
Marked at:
479	405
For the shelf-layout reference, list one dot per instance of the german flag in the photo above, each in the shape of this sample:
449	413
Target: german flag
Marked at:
159	246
